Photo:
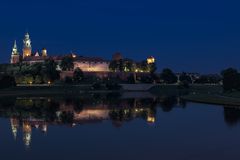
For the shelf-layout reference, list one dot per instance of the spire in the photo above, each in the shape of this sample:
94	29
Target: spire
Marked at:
15	44
14	49
27	35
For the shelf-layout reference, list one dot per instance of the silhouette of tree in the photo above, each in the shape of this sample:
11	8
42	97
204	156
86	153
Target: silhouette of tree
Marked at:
78	75
67	63
231	79
168	76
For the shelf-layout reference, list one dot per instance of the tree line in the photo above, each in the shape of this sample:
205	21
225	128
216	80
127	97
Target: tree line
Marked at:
40	73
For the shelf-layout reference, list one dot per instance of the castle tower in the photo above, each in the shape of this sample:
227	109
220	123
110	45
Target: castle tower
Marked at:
15	57
27	48
44	52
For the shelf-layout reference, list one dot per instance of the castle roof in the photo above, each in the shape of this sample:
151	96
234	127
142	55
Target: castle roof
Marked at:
34	58
90	59
59	58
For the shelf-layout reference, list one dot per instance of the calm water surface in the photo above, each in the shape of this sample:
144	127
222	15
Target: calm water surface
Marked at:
110	127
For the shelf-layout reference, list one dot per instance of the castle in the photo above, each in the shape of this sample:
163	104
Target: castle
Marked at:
27	54
89	65
86	64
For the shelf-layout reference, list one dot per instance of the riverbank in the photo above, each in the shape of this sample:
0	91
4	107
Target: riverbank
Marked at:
71	89
211	94
212	99
51	90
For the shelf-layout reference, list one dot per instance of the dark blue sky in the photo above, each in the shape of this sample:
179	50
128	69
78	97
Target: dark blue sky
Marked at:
186	35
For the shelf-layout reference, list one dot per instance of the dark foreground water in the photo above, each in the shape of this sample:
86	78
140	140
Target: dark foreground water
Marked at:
108	127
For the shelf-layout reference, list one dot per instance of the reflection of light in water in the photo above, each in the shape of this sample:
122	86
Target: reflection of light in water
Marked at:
14	126
27	131
44	128
27	139
37	126
92	114
150	119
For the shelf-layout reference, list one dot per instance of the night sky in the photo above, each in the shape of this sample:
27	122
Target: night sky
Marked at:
185	35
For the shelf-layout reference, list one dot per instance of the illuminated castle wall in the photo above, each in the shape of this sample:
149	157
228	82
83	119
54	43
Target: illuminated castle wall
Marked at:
92	65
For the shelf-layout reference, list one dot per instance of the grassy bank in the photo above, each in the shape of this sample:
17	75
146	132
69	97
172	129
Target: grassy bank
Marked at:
178	90
50	90
169	90
211	94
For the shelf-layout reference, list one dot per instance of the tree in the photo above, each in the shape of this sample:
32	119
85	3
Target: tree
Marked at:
7	81
19	79
67	63
209	79
184	78
144	66
28	79
38	79
78	75
129	65
35	69
231	79
113	66
121	65
152	68
49	70
168	76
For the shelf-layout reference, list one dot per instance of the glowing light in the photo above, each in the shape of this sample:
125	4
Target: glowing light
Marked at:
151	119
49	82
150	60
74	55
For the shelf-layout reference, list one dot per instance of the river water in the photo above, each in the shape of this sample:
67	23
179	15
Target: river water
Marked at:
111	127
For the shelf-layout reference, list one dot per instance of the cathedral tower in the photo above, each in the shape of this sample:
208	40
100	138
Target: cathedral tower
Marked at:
27	48
15	57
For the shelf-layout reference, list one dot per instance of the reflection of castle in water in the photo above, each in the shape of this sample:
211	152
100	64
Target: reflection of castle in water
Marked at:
71	112
29	114
27	126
